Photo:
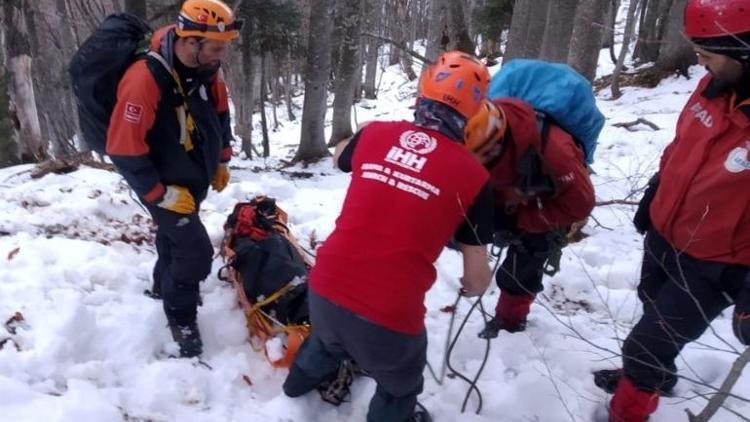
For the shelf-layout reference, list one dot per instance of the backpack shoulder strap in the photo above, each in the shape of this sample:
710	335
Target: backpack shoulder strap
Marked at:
164	77
542	123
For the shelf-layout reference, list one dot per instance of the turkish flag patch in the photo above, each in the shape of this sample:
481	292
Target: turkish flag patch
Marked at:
133	112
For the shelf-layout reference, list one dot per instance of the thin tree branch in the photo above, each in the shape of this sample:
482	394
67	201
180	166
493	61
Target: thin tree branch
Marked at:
400	45
616	202
718	399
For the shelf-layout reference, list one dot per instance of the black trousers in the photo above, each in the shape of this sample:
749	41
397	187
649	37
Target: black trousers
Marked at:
184	259
681	295
521	271
395	360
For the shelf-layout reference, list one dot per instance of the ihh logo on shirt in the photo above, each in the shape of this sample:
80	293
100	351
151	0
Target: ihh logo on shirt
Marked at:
737	161
413	145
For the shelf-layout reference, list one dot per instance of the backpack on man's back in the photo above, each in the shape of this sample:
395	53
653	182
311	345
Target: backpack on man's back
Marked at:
99	64
558	93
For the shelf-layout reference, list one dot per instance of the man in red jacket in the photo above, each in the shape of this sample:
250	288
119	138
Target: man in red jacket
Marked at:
696	214
171	144
414	187
541	187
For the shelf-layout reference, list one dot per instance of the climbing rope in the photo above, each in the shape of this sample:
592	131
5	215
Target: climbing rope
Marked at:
450	344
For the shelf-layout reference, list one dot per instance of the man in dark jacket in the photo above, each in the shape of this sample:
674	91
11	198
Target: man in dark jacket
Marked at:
414	186
171	146
695	214
541	187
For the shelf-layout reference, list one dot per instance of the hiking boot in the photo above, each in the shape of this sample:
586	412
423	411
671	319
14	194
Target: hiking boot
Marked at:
188	337
420	414
607	380
337	389
155	291
494	325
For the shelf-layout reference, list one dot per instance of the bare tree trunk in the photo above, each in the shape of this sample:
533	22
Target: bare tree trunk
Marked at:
437	38
372	16
359	69
585	42
289	88
556	41
651	31
627	37
263	94
394	26
55	44
535	30
136	7
27	132
646	27
273	83
349	21
460	29
312	142
518	27
243	90
362	50
410	21
608	37
88	14
675	53
422	24
8	147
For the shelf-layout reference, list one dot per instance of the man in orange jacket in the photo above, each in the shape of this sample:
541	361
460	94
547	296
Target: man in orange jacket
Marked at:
696	214
172	145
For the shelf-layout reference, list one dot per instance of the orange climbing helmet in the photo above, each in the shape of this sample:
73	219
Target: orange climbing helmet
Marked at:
485	130
211	19
458	80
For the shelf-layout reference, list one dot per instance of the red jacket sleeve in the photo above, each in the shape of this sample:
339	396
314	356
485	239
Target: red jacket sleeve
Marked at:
133	116
575	193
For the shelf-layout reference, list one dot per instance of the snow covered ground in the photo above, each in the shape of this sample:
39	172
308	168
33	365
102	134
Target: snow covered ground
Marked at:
75	256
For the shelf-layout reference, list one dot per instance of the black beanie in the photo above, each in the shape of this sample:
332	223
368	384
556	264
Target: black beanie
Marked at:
735	46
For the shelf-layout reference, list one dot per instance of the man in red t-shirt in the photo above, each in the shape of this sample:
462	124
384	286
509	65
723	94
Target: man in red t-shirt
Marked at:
414	187
696	214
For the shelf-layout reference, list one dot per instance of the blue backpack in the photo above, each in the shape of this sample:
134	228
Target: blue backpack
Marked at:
558	92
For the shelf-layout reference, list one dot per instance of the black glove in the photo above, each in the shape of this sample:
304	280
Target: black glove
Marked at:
741	319
642	217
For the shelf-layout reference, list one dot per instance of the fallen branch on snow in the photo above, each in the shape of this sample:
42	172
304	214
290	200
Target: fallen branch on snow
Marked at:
641	120
68	164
